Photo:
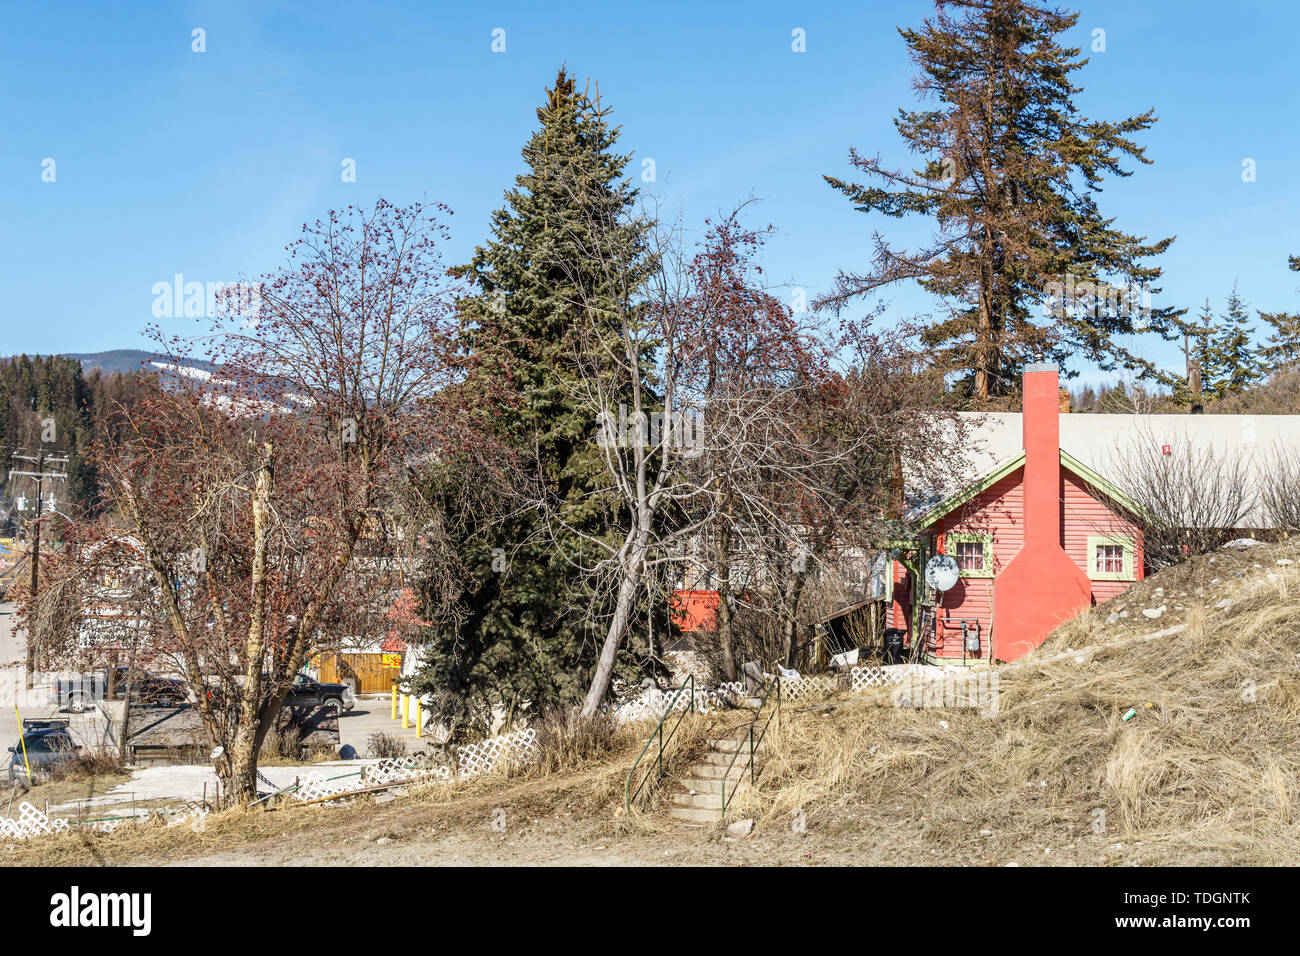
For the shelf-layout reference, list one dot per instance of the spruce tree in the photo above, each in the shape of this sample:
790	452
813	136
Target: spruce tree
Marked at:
1230	353
1283	347
529	626
1202	372
1009	174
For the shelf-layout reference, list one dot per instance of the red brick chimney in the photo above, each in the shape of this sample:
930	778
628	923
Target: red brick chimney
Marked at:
1041	586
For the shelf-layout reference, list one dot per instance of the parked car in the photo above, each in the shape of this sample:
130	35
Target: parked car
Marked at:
151	691
305	692
79	694
48	744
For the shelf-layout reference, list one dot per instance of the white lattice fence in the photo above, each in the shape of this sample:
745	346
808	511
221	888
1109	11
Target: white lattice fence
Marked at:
877	675
410	767
516	747
860	678
812	687
473	760
30	822
654	703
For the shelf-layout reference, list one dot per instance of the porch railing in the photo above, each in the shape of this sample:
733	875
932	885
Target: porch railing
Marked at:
661	740
749	741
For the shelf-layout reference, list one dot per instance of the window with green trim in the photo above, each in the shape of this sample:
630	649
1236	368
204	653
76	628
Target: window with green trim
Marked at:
972	552
1110	558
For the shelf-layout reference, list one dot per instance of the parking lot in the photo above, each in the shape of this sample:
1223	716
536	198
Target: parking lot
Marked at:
370	715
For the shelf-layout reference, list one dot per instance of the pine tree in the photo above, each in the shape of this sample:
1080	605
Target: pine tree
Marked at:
1229	364
529	629
1202	374
1283	348
1010	171
1283	344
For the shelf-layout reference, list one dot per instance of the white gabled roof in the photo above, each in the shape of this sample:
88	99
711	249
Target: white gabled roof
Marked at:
1101	441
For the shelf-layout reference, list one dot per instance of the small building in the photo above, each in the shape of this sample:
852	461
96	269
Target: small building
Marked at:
1036	539
1046	530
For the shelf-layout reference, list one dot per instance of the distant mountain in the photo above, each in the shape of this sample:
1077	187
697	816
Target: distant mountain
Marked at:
135	360
124	360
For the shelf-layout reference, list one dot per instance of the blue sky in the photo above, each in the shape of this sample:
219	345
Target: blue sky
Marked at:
169	161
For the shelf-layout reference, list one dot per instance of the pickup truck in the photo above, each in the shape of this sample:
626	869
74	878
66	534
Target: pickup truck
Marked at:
305	692
78	694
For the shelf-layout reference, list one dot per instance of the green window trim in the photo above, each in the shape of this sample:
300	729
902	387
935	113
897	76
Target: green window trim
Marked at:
1097	540
953	538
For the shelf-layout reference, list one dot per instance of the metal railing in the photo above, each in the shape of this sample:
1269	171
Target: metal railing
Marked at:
748	737
688	686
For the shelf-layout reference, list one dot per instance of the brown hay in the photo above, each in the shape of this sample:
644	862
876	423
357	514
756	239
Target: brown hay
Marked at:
1208	767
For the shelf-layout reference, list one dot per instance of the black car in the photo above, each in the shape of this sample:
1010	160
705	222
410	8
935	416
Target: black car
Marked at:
150	691
48	744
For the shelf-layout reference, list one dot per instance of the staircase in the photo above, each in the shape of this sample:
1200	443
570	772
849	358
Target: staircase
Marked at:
706	778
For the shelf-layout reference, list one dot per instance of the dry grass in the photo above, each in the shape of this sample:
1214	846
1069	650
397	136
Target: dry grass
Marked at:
1205	772
1207	769
382	746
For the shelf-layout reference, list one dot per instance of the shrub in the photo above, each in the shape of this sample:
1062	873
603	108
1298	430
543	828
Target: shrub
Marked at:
381	745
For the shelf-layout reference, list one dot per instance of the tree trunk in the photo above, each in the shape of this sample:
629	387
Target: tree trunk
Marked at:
726	634
627	591
790	642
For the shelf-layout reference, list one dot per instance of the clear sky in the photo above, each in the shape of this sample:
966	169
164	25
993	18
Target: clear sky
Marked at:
206	164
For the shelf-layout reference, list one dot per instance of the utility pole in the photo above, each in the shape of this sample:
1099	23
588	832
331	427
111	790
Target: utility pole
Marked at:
40	475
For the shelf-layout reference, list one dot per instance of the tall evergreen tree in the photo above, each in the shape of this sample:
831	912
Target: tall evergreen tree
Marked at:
1230	353
528	626
1283	347
1202	372
1008	176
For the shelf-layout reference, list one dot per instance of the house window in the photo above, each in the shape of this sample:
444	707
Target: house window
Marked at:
1110	558
972	552
970	555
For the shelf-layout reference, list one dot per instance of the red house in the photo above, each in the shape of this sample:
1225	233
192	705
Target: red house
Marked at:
1037	539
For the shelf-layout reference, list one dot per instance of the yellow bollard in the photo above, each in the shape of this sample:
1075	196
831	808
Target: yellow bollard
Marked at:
406	707
394	717
419	723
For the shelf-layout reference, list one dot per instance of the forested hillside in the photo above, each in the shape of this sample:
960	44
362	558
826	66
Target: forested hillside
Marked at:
47	402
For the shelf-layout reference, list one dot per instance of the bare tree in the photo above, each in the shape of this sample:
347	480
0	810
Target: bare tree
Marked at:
1279	490
1187	502
262	496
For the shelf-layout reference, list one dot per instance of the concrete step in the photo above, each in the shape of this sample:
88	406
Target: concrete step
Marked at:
707	784
695	815
703	801
738	759
736	744
713	771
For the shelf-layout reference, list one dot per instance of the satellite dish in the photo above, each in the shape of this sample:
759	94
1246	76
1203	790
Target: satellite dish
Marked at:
941	572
